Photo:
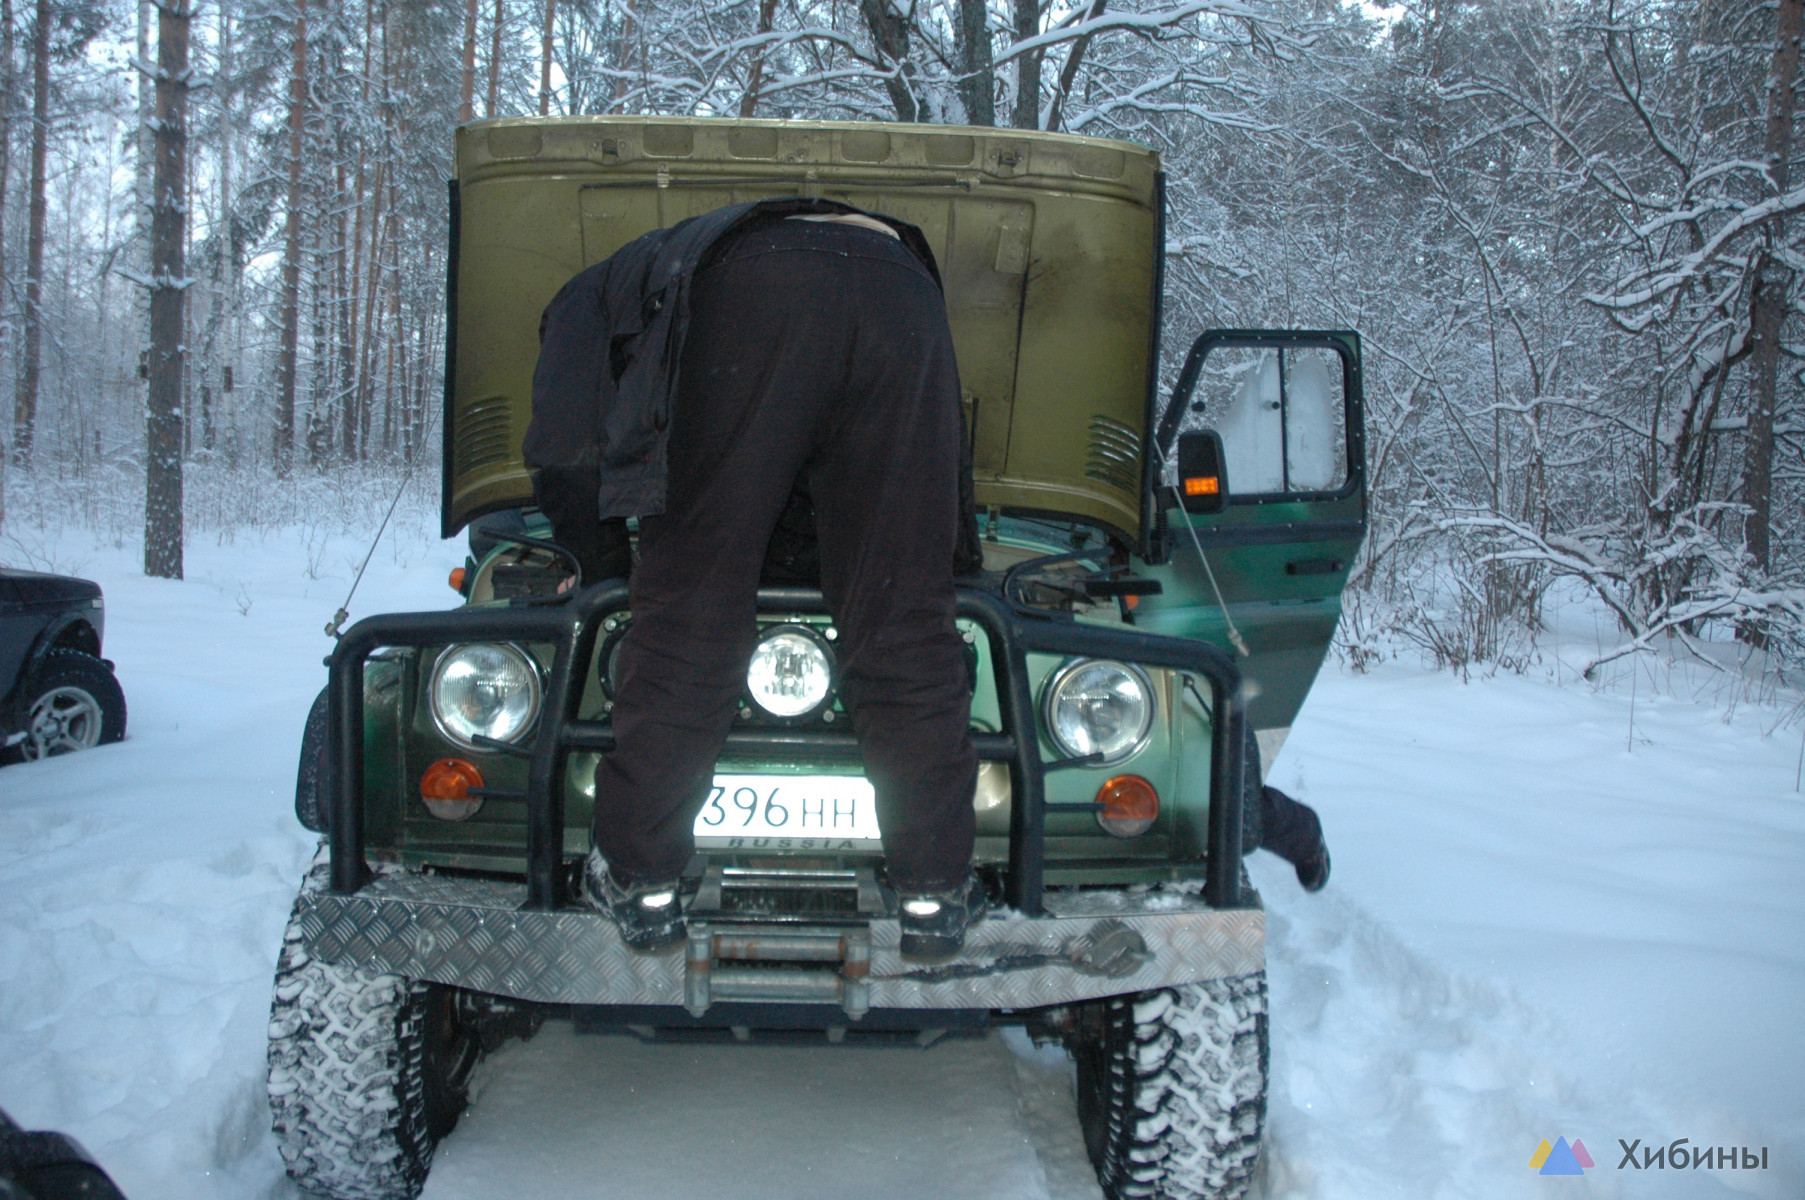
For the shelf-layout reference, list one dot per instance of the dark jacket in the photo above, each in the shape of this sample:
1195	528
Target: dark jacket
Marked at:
610	344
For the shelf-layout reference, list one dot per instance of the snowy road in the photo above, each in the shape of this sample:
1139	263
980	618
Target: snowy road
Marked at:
965	1119
1537	928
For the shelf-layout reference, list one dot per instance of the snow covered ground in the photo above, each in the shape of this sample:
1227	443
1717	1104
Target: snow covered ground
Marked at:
1539	926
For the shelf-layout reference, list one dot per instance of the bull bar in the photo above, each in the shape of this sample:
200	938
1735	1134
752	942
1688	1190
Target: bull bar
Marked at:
572	627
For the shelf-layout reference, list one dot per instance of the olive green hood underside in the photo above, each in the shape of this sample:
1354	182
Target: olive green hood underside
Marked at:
1046	244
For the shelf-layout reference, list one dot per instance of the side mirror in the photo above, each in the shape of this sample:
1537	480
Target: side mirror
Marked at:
1202	475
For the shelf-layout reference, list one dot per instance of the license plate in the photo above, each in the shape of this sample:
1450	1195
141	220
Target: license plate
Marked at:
789	812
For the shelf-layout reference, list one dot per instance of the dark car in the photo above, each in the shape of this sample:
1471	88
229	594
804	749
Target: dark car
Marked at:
59	695
49	1166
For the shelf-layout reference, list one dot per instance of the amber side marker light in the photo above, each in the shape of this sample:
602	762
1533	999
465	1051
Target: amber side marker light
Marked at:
445	789
1203	485
457	579
1129	803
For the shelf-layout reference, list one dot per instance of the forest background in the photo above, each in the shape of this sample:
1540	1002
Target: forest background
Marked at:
1567	230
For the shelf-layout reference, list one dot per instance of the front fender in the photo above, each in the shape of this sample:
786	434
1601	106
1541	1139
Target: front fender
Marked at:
72	630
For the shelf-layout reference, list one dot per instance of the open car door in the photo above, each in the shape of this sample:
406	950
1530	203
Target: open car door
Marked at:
1281	525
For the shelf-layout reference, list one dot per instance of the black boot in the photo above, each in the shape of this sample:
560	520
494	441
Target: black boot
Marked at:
1313	869
649	916
934	923
1291	829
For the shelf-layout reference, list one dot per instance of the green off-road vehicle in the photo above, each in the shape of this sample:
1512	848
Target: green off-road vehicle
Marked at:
1162	580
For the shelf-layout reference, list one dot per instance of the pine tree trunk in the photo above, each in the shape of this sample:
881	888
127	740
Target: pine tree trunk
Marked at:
1027	67
291	251
319	381
144	165
168	298
623	58
344	319
7	83
371	286
25	404
356	422
353	345
494	61
1767	303
545	59
390	419
978	89
228	406
467	88
6	163
366	383
384	278
188	410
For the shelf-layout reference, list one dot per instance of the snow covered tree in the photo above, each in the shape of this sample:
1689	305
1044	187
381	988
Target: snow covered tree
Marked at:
1567	229
168	286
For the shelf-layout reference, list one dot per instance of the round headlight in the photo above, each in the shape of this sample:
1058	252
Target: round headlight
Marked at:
790	674
484	690
1094	706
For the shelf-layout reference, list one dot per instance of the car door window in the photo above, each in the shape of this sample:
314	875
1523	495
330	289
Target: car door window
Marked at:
1282	414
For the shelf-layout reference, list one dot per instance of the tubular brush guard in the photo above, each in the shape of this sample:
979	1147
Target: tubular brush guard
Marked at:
572	627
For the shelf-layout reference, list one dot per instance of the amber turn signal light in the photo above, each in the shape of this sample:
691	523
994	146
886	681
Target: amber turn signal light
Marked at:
445	788
1130	805
457	579
1203	485
450	779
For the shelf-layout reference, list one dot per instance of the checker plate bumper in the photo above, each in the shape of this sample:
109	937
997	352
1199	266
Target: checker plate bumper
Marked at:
474	934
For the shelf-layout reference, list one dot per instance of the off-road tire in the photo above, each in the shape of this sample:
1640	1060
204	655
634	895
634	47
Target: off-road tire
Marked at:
1172	1089
311	776
1252	818
366	1074
76	674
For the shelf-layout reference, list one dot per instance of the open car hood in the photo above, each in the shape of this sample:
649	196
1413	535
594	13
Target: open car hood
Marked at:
1048	246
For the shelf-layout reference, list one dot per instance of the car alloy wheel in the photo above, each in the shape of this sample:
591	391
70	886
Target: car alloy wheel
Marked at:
75	705
63	720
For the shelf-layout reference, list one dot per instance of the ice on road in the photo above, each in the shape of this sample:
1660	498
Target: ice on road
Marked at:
1539	926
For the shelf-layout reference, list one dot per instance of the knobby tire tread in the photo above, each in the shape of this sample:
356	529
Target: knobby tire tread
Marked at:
1178	1091
348	1076
312	776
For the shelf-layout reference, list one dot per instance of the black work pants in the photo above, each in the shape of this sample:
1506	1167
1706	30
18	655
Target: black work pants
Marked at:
1289	828
822	349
